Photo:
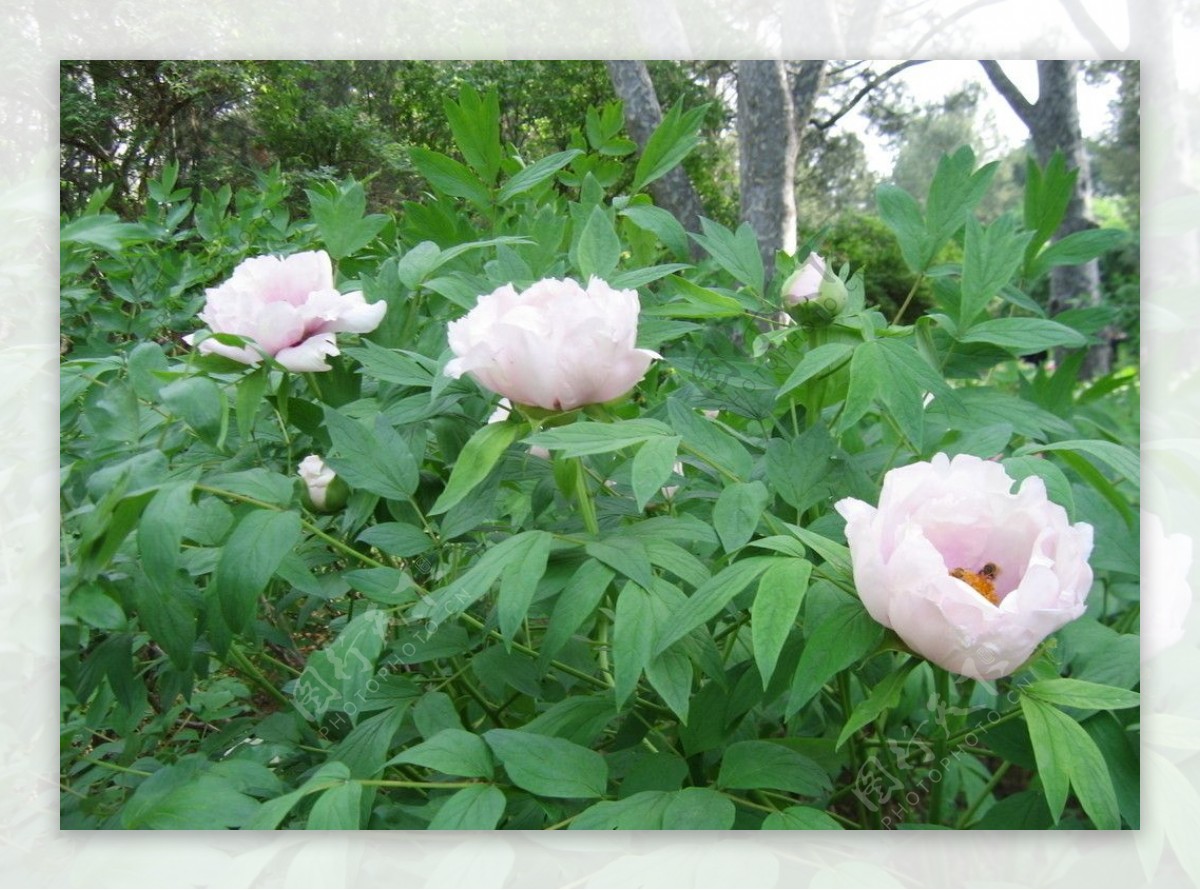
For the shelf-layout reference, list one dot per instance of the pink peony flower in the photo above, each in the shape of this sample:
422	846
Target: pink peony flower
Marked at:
968	573
289	307
556	346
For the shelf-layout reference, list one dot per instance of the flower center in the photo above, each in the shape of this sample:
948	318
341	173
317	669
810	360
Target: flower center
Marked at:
982	582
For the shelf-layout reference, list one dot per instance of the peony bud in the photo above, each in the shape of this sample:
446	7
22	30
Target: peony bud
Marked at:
324	490
968	573
288	307
556	346
813	285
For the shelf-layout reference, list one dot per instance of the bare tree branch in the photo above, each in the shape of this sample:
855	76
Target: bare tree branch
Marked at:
1006	88
870	85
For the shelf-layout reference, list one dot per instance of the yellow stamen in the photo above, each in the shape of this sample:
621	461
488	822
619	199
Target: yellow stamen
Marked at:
982	582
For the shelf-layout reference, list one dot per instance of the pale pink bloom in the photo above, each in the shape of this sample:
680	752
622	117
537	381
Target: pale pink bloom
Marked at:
289	307
556	345
962	516
317	478
804	284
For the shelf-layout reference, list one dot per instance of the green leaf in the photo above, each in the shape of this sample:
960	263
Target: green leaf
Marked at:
255	548
184	796
477	808
1023	336
705	439
662	223
477	458
364	750
519	581
169	616
588	437
393	365
698	809
1071	693
250	391
738	511
1066	753
763	764
845	635
900	211
1120	458
378	461
382	584
627	555
641	811
800	470
671	674
800	819
599	248
446	602
536	173
735	252
953	196
883	697
397	539
991	258
341	219
652	467
548	766
671	142
632	640
780	594
1076	249
711	598
160	533
337	809
199	403
1047	194
258	483
475	123
450	177
823	359
575	605
271	813
336	678
455	752
104	230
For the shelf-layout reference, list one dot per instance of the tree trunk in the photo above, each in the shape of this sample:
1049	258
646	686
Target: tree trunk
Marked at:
674	191
767	145
1053	123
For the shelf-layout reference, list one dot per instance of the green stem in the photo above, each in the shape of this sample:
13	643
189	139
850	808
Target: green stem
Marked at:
117	767
908	299
586	506
400	783
247	667
955	740
965	819
941	681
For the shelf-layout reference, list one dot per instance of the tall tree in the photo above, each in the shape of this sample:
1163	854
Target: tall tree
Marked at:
1053	123
767	145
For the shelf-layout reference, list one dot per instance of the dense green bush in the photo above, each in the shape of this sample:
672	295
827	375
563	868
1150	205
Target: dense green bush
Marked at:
655	621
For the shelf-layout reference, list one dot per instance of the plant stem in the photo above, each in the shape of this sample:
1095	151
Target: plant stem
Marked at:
247	667
965	818
941	681
912	292
115	766
400	783
586	507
